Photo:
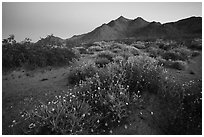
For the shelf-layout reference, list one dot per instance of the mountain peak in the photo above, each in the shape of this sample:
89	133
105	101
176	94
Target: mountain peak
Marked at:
139	19
121	18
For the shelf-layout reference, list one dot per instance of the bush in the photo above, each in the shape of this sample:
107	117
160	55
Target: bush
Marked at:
195	44
170	55
188	118
19	55
132	50
80	73
118	59
102	62
139	45
94	48
116	50
178	65
116	46
195	53
154	52
125	55
143	74
106	54
183	51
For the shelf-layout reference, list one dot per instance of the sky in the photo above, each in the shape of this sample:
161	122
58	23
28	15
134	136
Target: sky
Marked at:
35	20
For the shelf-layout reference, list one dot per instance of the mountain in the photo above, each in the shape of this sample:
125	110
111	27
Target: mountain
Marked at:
122	27
51	40
115	29
140	28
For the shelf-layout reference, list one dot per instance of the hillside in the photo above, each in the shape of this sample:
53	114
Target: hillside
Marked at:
140	28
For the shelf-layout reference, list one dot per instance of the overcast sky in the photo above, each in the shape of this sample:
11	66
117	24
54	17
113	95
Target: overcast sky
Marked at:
35	20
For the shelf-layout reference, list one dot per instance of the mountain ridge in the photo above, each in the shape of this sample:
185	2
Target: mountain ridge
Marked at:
122	27
138	27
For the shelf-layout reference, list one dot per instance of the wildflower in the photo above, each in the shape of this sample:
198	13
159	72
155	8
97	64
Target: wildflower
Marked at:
111	131
10	125
152	113
125	126
14	121
31	125
106	124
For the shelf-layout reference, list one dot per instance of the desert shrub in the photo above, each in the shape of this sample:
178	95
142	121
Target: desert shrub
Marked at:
116	46
95	48
195	44
189	114
162	46
134	51
81	50
63	115
81	72
154	52
167	46
116	50
139	45
179	65
102	62
106	54
15	56
183	51
161	61
171	55
143	74
118	59
76	52
125	55
195	53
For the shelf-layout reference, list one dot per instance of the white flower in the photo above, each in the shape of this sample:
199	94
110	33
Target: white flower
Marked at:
31	125
111	131
125	126
106	124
